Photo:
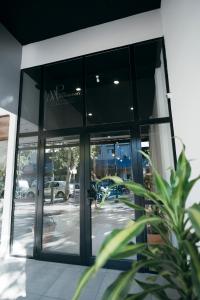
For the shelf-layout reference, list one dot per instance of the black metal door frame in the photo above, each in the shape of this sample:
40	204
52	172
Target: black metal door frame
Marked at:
85	257
84	132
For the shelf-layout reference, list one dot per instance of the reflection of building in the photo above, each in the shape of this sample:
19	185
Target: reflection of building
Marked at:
118	81
114	159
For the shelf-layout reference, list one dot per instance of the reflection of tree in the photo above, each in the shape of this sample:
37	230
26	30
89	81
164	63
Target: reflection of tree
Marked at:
24	157
94	152
67	159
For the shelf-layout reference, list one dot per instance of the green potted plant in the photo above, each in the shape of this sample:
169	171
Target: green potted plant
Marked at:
176	261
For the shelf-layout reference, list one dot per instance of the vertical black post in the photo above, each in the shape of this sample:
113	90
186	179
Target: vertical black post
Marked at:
40	181
169	102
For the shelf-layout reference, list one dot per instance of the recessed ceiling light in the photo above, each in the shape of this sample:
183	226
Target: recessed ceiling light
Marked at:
78	89
97	78
116	81
90	114
131	108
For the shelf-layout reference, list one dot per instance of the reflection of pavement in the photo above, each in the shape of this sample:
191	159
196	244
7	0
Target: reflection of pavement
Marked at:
104	220
23	227
61	225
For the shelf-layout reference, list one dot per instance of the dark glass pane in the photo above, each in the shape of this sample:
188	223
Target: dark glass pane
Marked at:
110	155
150	80
61	217
63	97
108	87
24	199
30	100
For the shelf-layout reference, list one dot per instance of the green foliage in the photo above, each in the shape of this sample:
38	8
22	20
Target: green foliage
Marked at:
176	261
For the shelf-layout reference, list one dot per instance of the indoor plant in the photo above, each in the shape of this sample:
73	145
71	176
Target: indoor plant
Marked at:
176	261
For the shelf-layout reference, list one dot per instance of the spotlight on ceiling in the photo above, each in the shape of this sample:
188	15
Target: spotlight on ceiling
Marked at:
131	108
97	78
116	81
78	89
90	114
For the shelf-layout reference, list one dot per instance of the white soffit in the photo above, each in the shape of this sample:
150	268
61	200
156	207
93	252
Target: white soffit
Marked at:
109	35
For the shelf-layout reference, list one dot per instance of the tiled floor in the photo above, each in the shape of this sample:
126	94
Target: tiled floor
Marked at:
26	279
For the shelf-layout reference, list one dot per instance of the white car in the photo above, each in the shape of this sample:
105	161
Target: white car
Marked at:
57	187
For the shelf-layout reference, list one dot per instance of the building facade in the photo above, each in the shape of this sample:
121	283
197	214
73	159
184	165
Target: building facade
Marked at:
88	102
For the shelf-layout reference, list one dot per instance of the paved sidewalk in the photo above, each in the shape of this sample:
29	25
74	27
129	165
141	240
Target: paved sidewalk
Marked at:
28	279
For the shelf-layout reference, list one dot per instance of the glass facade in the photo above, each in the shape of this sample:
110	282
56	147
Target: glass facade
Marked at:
87	121
26	170
108	88
63	95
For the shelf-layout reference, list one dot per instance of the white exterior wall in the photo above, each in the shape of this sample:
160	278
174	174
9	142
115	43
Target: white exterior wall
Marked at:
181	27
113	34
10	60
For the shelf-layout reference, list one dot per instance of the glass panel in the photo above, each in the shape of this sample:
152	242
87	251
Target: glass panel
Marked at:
24	200
63	99
61	218
108	87
150	80
156	142
26	170
4	127
110	155
30	100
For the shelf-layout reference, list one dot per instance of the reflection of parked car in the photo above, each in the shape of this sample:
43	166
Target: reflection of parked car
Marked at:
57	186
22	188
105	186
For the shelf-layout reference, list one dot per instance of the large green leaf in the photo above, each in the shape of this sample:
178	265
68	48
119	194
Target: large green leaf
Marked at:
121	238
132	205
152	289
188	187
181	186
194	214
195	261
118	290
129	250
156	289
109	237
139	190
163	188
83	281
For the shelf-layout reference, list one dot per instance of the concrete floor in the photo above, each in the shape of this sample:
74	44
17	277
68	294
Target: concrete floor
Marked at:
28	279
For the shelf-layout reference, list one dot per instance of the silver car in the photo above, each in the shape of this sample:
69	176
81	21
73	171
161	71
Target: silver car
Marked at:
55	188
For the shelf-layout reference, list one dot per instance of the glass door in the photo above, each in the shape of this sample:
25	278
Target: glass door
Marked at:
61	196
110	159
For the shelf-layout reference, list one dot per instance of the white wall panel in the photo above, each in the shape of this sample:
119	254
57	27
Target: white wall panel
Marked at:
109	35
181	27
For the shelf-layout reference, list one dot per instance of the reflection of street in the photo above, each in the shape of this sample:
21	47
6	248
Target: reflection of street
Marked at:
61	225
23	227
112	215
